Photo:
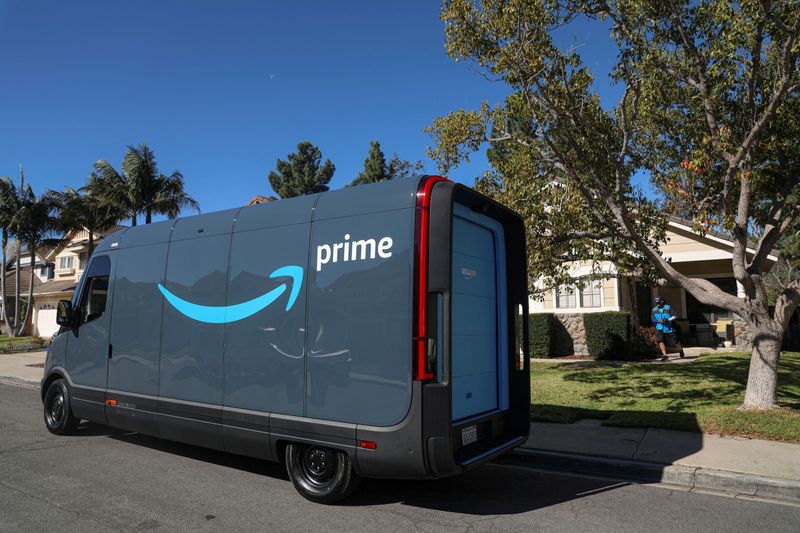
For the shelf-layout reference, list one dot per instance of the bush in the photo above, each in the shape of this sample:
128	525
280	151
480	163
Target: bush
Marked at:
644	342
608	334
22	344
540	331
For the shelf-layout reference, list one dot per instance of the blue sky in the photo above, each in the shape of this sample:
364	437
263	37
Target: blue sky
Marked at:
220	90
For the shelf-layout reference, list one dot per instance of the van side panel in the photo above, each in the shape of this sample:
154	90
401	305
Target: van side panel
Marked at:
359	315
136	326
191	352
264	360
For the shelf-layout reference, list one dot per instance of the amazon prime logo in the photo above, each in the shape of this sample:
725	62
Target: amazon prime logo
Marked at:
348	250
223	314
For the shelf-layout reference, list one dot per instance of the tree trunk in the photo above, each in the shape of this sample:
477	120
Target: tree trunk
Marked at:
16	293
762	381
4	315
91	245
133	220
634	303
148	217
29	308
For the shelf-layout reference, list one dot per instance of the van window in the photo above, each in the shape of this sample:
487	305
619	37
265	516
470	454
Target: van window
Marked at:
95	289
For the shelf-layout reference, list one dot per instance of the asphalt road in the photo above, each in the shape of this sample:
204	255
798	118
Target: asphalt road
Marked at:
105	480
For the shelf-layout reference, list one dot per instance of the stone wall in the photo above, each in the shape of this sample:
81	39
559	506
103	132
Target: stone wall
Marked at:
569	335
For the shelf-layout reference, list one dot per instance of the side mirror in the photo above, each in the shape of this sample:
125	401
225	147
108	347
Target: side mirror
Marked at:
64	313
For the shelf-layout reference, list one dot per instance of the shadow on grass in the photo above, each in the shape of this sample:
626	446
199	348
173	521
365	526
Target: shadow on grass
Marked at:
681	421
711	381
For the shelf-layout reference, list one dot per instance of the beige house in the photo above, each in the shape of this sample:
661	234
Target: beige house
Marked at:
706	256
69	260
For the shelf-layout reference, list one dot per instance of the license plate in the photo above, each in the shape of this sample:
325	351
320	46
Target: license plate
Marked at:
469	435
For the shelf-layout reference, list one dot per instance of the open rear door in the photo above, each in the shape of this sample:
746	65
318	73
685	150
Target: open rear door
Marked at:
476	392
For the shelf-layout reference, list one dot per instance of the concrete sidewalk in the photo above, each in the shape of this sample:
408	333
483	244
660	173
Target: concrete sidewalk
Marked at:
747	467
22	368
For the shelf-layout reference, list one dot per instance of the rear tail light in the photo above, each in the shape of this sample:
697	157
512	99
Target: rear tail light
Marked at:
421	370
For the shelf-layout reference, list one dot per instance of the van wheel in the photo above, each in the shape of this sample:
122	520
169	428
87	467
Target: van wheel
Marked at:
322	475
57	411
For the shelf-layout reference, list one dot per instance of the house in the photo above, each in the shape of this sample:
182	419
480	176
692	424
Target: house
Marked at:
68	261
42	269
42	272
706	256
24	286
258	199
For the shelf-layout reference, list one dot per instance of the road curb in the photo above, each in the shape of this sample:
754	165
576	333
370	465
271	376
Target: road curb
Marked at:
19	382
692	477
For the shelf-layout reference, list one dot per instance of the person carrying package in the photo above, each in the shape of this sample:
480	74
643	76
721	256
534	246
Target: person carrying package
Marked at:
662	318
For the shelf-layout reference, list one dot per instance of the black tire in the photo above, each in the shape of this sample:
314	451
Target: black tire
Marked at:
321	475
57	410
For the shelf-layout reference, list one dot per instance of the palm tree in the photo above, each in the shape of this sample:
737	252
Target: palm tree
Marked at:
84	209
9	207
34	226
141	188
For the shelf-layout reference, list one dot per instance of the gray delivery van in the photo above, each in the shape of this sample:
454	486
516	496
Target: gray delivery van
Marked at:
371	331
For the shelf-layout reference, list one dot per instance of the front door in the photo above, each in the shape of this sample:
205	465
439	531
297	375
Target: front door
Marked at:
87	350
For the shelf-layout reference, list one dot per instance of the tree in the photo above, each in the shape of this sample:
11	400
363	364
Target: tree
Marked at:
710	90
377	169
302	174
9	207
83	209
35	225
141	188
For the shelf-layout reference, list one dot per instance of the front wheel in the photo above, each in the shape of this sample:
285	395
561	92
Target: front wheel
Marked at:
57	411
322	475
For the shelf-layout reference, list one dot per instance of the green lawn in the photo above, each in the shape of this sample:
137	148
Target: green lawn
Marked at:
698	396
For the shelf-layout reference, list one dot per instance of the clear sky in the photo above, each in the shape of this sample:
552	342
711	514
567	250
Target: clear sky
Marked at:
220	90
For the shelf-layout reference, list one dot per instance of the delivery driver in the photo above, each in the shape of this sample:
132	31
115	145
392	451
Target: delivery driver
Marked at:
662	318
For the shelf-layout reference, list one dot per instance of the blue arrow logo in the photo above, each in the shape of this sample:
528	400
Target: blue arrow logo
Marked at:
231	313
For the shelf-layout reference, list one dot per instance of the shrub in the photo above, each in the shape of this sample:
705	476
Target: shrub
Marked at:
20	347
540	331
644	342
608	334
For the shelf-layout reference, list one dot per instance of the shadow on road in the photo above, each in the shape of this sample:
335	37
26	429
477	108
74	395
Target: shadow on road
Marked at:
491	489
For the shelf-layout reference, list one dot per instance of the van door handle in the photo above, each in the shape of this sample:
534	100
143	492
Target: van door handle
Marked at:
110	351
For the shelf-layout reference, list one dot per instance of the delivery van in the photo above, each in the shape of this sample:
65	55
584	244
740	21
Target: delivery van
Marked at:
373	331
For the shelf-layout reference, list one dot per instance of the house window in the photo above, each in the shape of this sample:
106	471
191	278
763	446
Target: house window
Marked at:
81	261
590	296
565	297
65	262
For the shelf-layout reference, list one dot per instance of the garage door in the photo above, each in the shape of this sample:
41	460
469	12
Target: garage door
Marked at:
46	323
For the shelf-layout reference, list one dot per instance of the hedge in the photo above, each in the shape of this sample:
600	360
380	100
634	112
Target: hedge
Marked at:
540	331
608	334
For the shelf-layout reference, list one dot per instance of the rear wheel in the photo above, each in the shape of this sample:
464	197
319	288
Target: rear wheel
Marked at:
57	411
322	475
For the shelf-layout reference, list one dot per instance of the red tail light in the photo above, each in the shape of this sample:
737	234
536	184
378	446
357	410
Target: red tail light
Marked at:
421	373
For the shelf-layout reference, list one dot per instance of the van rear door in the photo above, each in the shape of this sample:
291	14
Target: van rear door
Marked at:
478	315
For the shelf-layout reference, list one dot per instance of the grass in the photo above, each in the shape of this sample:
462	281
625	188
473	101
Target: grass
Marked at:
701	396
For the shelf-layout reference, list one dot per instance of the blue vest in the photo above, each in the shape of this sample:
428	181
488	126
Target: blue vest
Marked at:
661	318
